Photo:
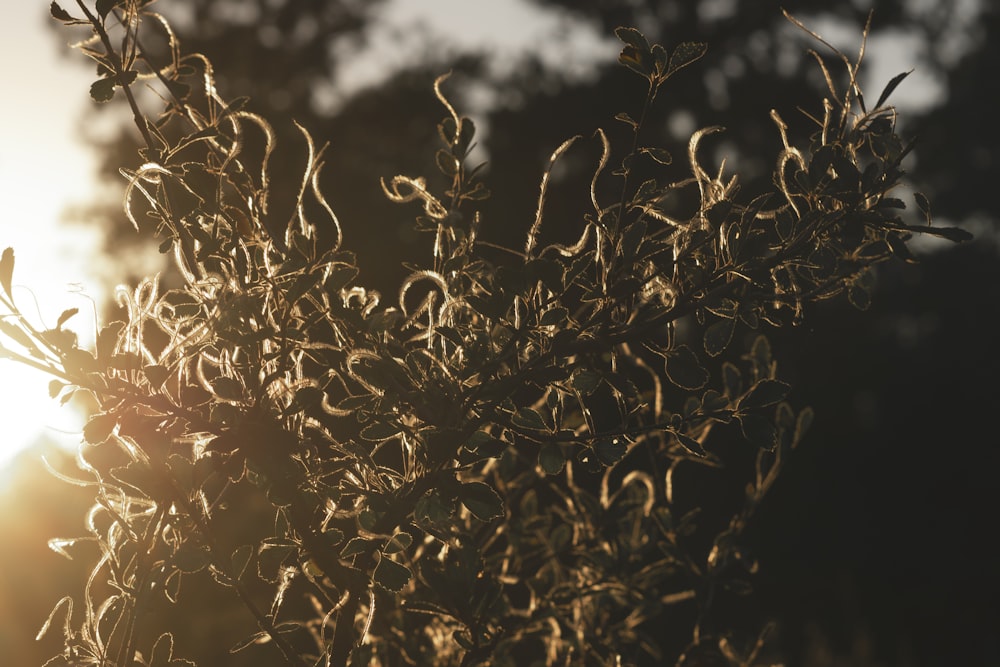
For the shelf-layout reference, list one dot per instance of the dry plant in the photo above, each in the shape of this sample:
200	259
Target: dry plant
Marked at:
493	466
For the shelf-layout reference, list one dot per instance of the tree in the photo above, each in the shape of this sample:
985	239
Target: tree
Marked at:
539	454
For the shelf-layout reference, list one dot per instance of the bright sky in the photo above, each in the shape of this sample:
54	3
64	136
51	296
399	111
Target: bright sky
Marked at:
43	168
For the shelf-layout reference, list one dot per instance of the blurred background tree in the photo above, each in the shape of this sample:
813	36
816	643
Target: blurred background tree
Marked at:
873	548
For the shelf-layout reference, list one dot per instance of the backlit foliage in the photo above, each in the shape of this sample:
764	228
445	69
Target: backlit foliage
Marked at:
490	466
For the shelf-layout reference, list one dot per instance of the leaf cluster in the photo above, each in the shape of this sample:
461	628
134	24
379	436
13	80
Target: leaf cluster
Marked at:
488	467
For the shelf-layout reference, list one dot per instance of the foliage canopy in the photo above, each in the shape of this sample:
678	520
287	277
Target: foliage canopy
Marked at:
504	463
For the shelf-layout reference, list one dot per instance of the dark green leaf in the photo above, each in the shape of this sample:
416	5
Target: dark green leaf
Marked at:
951	233
684	369
484	443
610	450
554	317
718	335
585	381
18	335
549	272
60	14
227	388
340	276
104	7
191	558
625	118
78	360
759	430
659	155
271	555
357	545
398	542
446	162
7	270
480	499
891	86
99	427
65	315
103	90
764	393
633	37
390	575
551	459
637	60
530	419
432	509
690	444
156	375
379	431
923	204
859	297
55	388
685	54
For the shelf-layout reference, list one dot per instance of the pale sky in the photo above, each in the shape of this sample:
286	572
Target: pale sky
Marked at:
42	169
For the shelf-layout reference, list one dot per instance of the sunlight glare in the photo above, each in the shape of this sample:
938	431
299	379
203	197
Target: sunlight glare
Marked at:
44	168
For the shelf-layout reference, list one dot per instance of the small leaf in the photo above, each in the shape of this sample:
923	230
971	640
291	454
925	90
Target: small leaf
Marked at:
891	86
271	556
633	37
923	204
55	388
480	499
60	14
625	118
684	369
690	444
685	54
227	388
659	155
718	335
859	297
530	419
356	545
390	575
432	509
610	450
99	427
554	317
759	430
637	60
551	459
585	381
378	431
398	542
103	90
191	558
65	315
764	393
156	375
104	7
7	270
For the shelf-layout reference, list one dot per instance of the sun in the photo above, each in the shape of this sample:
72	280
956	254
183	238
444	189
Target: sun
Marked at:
31	410
50	276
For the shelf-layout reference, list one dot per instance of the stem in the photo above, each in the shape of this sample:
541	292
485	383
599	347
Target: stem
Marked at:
137	117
